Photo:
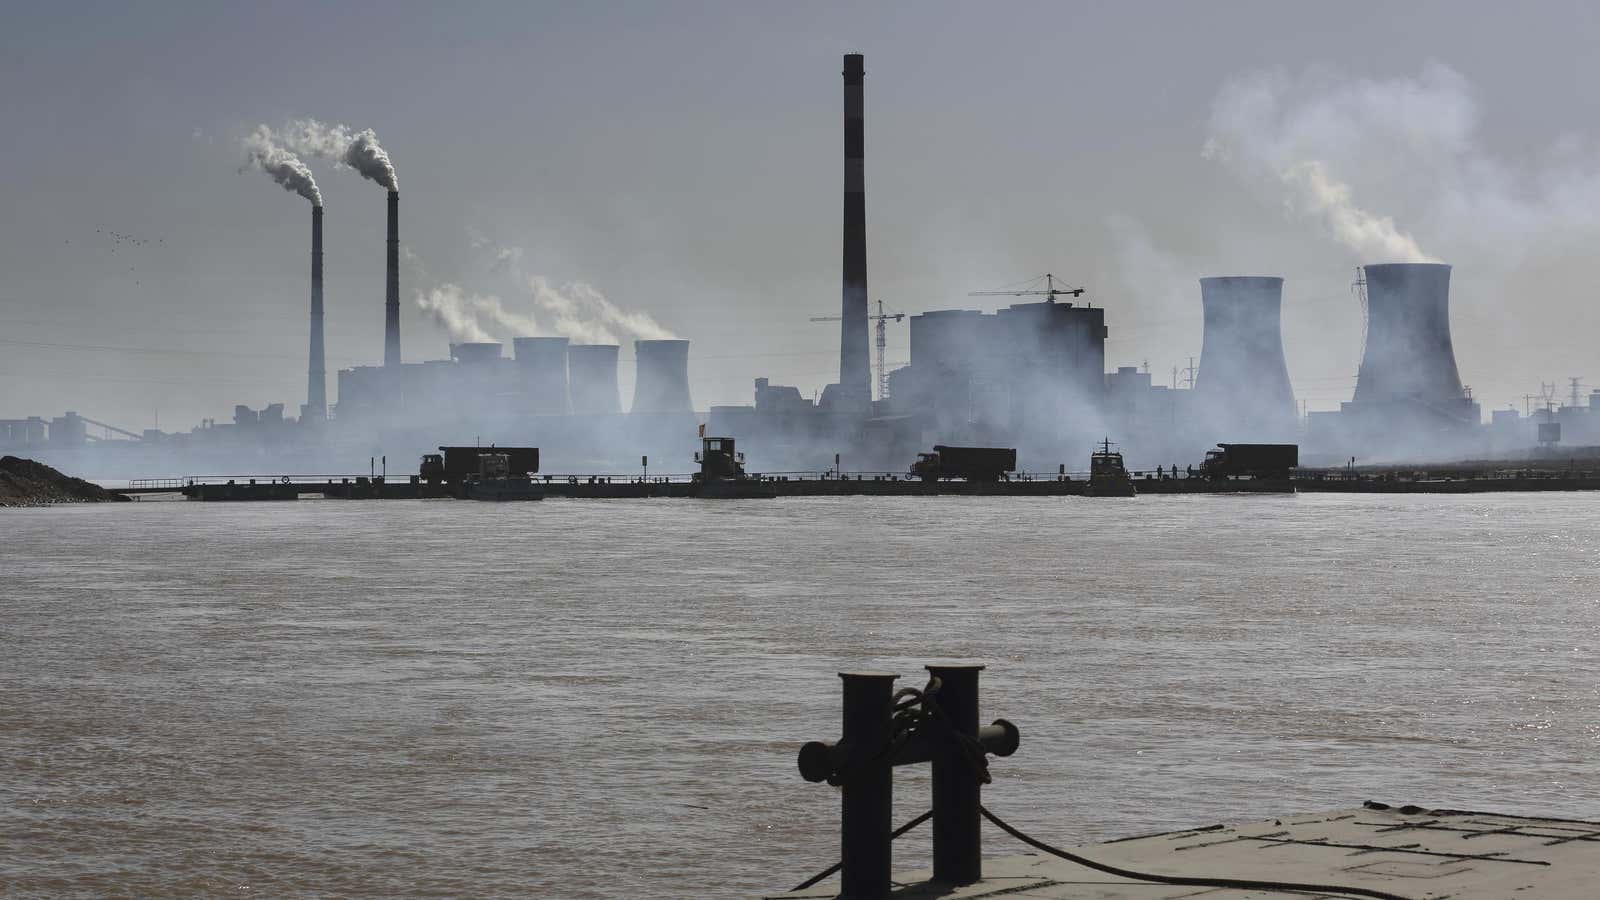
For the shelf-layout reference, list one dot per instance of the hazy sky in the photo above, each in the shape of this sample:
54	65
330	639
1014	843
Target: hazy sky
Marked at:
684	160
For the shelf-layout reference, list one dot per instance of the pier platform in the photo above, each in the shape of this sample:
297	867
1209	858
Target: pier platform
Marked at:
1406	851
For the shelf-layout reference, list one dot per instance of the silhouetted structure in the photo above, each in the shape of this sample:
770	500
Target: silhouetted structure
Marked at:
855	379
661	377
316	371
1242	389
391	296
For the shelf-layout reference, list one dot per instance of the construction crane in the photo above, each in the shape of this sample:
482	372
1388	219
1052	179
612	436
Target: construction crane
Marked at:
1031	289
882	342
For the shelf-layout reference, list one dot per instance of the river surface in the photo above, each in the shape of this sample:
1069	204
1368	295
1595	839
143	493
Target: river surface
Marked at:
604	698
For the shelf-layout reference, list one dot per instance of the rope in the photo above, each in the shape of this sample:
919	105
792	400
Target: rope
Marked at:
840	864
1285	887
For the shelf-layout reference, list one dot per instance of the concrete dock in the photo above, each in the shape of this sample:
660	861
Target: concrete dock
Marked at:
1404	851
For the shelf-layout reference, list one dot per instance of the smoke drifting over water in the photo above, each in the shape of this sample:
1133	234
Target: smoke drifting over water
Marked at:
1333	142
283	166
358	150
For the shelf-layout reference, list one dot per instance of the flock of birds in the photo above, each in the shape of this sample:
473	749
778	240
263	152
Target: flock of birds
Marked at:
121	239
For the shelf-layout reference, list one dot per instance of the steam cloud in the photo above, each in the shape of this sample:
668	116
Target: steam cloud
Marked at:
1370	236
575	310
1264	125
284	167
1415	142
358	150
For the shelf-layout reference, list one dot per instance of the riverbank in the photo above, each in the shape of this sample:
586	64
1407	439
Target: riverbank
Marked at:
24	482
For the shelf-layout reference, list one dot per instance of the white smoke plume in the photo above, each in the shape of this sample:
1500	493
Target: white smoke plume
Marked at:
263	153
501	259
1332	144
575	310
1371	236
578	311
465	316
358	150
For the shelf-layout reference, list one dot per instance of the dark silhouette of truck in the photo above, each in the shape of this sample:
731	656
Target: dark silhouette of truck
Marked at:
970	463
457	464
1250	461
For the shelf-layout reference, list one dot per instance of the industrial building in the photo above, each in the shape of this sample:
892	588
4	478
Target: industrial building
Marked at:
1030	375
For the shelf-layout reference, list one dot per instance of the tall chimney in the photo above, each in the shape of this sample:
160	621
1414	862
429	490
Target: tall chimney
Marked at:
855	387
391	294
316	373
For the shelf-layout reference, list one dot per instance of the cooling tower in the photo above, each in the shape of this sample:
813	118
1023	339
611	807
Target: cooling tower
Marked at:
1409	355
662	377
391	291
592	378
316	372
1242	390
855	383
542	370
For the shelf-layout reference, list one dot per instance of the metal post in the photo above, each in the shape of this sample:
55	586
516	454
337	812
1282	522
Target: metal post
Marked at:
867	797
957	848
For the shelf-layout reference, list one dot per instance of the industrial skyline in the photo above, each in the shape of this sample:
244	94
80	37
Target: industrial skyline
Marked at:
715	218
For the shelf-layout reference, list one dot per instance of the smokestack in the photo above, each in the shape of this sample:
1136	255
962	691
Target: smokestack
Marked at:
316	373
592	369
1409	355
542	365
855	391
661	384
1242	388
391	295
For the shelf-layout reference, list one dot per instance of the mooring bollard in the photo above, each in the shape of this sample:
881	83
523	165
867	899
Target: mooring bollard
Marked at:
883	729
957	848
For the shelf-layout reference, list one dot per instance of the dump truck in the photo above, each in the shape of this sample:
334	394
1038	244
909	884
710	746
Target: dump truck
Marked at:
456	464
1250	461
970	463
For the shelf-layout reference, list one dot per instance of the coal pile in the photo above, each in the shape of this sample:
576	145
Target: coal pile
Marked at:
24	482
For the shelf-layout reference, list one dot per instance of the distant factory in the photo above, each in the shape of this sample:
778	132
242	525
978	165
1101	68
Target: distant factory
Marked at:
1030	375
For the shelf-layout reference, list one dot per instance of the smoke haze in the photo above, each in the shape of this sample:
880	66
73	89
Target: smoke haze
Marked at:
1330	143
284	167
576	310
358	150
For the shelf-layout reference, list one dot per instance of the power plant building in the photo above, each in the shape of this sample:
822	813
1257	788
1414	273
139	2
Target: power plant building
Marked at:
1030	368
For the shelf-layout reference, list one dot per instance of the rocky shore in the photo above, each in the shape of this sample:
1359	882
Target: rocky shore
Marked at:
24	482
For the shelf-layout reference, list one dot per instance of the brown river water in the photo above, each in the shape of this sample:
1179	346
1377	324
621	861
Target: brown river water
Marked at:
605	698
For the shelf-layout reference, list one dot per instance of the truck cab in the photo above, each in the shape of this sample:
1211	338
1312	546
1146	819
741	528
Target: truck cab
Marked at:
432	469
719	459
